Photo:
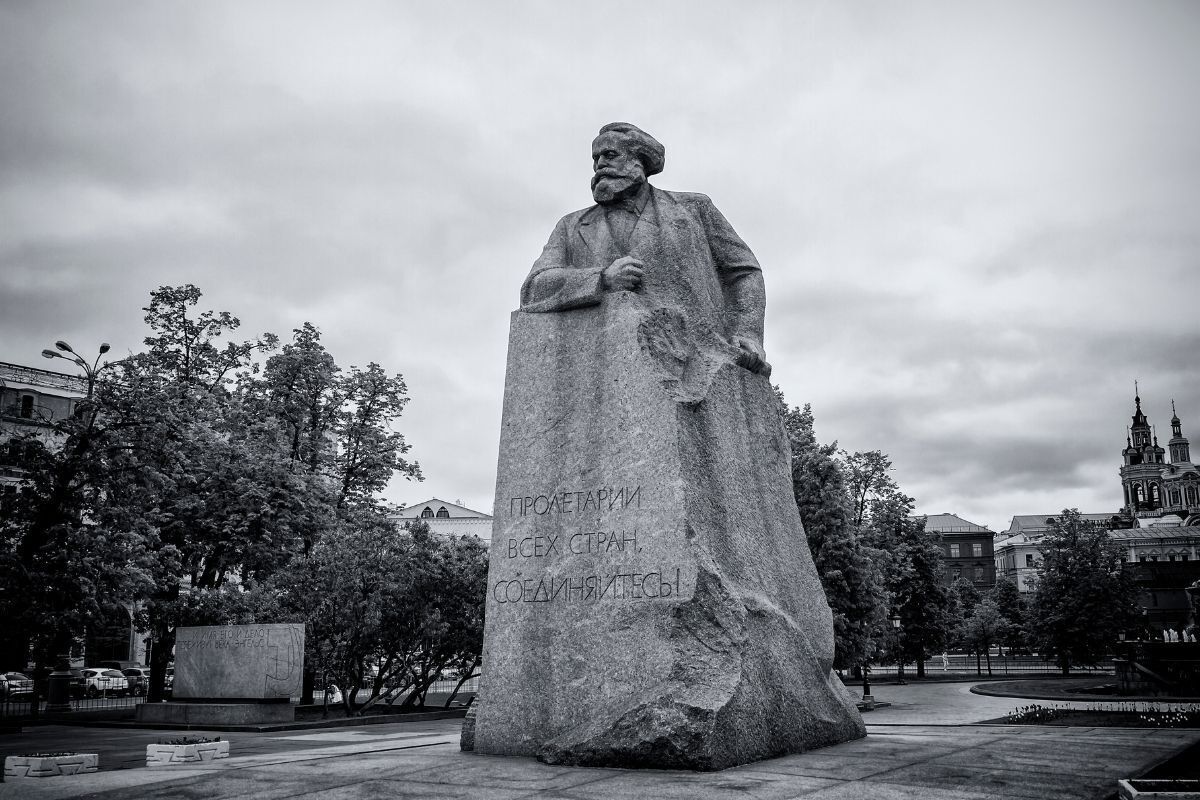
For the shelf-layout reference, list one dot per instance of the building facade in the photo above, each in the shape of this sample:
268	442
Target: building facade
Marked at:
966	550
448	519
31	401
1018	548
1161	486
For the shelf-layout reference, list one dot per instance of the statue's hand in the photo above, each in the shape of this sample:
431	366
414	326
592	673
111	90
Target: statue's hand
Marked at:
624	274
752	357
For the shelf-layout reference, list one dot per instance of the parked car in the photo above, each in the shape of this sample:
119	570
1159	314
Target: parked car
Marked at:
78	685
138	678
104	682
15	685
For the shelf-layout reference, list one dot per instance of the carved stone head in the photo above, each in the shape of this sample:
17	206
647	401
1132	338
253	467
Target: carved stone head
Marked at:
623	156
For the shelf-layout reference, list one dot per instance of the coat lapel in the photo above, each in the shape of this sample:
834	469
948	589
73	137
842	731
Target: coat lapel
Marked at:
594	232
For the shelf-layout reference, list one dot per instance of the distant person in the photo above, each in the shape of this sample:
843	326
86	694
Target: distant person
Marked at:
945	662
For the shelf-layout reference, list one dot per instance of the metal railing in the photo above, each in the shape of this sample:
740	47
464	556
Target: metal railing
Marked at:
964	664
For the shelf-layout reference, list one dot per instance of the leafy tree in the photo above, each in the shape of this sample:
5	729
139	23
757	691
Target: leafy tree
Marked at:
299	389
1012	608
62	563
867	481
922	603
849	570
1083	598
387	609
369	452
965	595
982	628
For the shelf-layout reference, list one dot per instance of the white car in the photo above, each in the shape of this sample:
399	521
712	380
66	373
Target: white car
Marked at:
104	682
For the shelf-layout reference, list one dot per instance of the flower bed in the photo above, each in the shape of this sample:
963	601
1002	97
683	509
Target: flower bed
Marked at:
1119	715
48	765
185	751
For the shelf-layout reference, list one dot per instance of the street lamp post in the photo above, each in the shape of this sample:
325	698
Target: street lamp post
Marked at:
58	695
89	370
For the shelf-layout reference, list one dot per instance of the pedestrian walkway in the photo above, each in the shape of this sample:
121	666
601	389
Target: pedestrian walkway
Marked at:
926	745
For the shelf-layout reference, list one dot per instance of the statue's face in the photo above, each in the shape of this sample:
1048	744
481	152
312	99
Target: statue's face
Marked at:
617	171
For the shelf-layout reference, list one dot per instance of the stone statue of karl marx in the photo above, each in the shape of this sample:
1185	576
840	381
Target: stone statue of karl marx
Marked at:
675	247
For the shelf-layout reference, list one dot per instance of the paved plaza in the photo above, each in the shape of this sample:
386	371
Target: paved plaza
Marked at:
926	744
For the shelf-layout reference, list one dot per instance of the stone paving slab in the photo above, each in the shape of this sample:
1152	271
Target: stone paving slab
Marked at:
969	763
904	756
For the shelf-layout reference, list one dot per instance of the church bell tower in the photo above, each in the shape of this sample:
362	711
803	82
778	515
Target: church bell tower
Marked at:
1141	474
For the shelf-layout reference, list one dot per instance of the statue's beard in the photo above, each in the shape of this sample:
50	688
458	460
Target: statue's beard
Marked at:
608	187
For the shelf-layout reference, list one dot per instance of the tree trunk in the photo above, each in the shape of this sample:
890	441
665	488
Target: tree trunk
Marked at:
978	664
920	663
467	675
308	685
989	661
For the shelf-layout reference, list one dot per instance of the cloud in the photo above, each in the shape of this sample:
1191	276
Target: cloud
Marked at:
978	224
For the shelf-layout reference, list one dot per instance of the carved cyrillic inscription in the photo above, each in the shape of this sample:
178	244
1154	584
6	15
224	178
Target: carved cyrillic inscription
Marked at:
578	502
577	543
588	588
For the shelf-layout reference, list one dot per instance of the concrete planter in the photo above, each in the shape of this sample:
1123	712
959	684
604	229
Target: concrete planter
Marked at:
163	755
1149	789
49	766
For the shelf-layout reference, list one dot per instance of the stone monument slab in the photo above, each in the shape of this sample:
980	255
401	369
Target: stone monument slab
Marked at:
233	675
249	662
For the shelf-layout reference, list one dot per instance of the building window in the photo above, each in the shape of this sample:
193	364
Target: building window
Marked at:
427	513
978	573
1029	559
1183	557
1191	495
1174	497
954	551
956	573
1139	495
1154	558
977	550
27	406
443	513
1154	494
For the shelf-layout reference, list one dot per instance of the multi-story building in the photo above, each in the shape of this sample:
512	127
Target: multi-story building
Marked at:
1018	549
31	401
966	550
448	519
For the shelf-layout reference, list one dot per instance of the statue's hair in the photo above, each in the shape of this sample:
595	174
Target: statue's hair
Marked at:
647	149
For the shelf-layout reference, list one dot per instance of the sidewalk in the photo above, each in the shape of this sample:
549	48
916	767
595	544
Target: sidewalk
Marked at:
923	745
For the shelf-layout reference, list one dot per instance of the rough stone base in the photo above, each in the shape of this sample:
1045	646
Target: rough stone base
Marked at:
216	713
651	598
466	740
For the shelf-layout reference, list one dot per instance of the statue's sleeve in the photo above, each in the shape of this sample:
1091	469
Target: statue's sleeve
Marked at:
554	284
739	272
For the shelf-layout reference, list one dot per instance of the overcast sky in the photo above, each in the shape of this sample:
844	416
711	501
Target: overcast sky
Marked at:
978	223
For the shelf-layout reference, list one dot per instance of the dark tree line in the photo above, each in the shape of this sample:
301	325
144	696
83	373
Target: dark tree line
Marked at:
201	481
882	572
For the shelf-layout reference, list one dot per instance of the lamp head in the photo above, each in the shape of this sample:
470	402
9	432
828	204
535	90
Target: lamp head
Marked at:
61	345
105	347
49	354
